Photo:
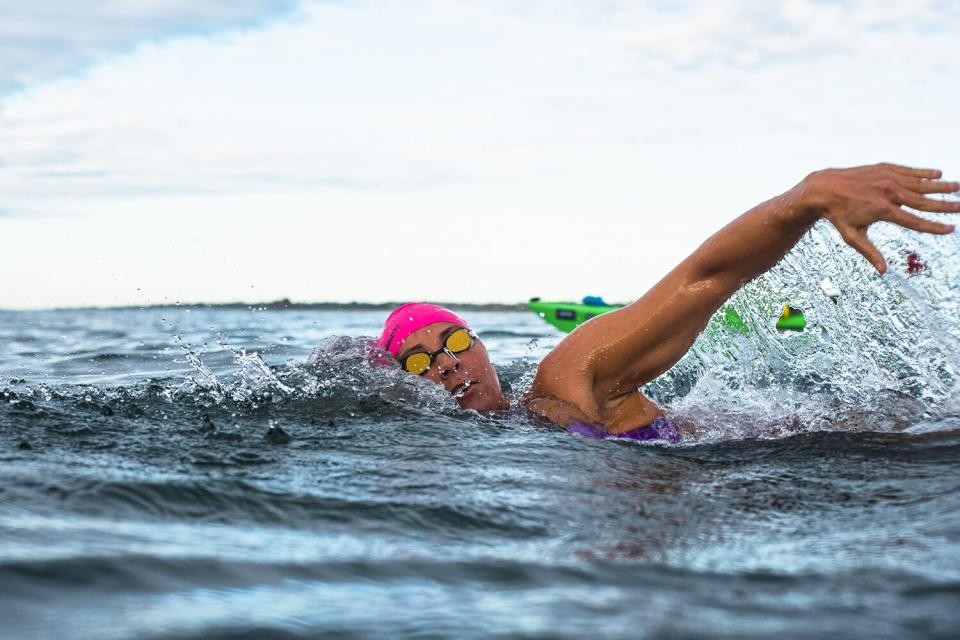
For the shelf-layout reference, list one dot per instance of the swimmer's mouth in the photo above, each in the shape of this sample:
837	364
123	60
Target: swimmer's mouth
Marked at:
461	389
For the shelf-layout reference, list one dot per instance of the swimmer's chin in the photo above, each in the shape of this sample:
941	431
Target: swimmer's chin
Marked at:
478	398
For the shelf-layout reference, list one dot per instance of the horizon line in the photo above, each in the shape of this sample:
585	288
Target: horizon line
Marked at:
281	305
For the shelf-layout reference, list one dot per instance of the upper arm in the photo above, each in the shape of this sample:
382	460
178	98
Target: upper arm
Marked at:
610	356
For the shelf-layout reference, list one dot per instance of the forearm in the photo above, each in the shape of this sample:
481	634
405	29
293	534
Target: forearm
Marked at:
754	242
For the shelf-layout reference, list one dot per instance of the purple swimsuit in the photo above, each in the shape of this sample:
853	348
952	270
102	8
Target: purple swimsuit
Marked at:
660	429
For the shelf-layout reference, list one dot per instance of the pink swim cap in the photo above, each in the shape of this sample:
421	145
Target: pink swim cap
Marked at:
410	317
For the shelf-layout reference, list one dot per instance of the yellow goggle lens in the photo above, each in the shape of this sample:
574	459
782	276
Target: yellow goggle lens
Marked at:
458	341
417	363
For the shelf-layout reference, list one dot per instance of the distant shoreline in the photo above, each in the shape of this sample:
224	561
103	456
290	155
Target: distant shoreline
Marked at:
286	305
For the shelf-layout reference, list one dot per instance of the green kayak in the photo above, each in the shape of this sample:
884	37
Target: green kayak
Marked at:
567	316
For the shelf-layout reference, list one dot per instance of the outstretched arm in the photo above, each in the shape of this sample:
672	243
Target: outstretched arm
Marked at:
594	373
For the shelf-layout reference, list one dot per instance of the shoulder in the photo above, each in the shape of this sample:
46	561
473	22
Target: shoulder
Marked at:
567	394
562	391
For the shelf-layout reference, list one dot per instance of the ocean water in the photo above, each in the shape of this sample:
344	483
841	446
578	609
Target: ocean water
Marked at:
189	472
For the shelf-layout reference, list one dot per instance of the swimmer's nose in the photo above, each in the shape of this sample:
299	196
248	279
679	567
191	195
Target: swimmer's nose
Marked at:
448	365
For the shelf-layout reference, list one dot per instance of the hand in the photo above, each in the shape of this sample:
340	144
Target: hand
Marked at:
853	199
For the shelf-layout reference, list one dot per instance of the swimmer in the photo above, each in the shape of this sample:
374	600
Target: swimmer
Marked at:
590	382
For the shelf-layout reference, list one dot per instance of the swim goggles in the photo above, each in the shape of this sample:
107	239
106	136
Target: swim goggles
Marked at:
457	342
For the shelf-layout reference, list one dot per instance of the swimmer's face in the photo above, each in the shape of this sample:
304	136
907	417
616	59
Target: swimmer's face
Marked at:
468	375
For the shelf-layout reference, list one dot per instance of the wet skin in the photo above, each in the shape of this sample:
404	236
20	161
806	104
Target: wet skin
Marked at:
469	375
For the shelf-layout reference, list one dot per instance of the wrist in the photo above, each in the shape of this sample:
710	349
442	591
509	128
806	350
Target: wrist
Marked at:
809	198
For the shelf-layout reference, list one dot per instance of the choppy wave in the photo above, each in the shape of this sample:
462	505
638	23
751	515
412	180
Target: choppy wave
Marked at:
260	474
881	355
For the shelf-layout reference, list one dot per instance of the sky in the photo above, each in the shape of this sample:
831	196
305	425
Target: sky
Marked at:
476	151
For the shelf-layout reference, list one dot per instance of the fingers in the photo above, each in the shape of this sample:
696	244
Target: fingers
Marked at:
927	186
921	203
859	241
913	189
932	174
916	223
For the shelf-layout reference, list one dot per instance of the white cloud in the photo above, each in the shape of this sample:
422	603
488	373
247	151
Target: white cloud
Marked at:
42	39
587	146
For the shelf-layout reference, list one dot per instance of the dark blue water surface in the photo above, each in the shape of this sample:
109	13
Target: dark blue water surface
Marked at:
143	494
